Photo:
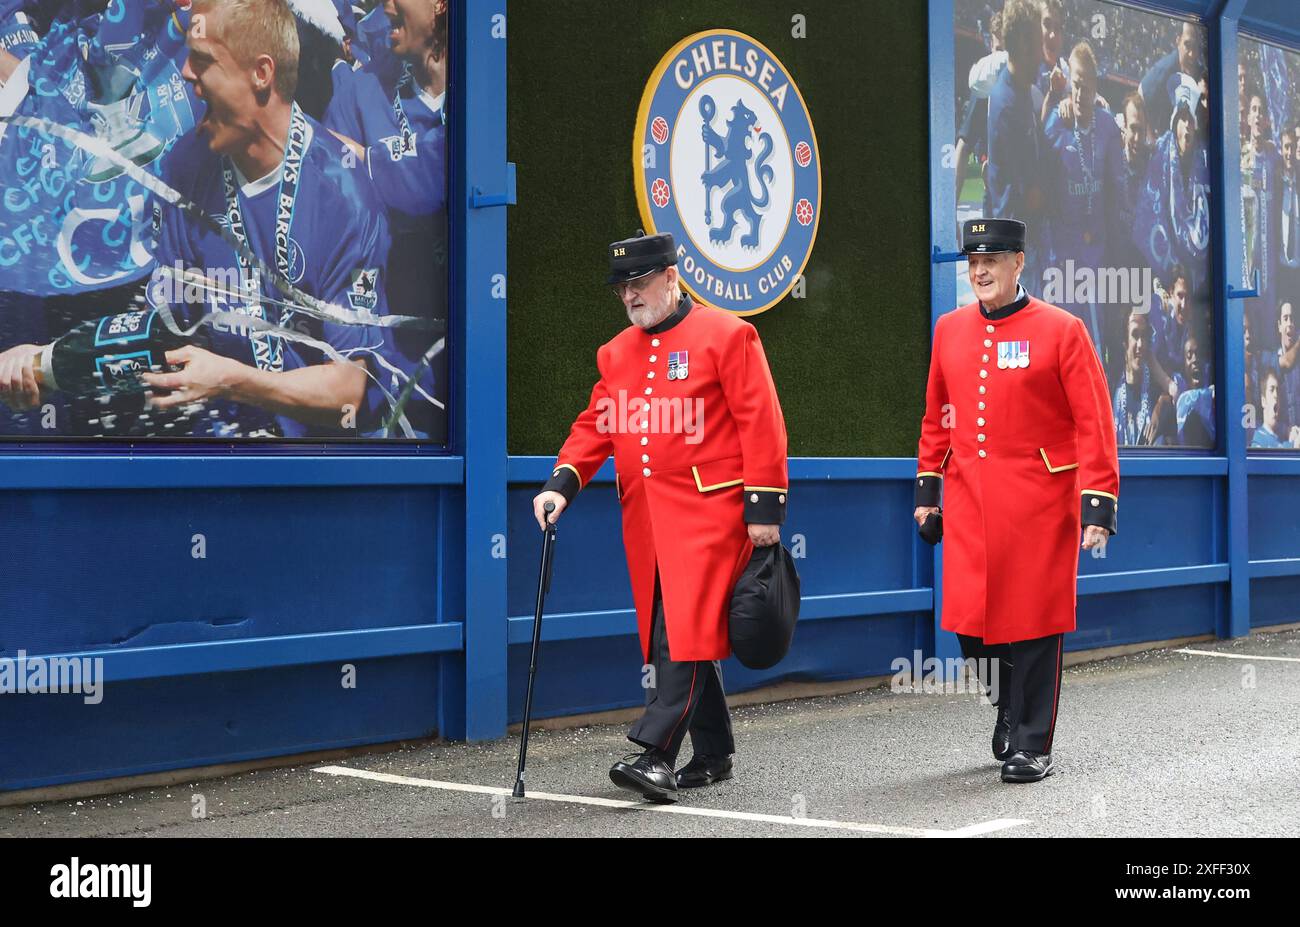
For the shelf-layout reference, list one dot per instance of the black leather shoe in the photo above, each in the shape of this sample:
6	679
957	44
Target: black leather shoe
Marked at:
649	775
1002	735
1024	766
704	770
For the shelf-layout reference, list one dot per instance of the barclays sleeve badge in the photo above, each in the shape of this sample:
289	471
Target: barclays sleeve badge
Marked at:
725	159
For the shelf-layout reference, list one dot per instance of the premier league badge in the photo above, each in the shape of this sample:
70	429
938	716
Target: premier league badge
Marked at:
725	159
678	365
1013	355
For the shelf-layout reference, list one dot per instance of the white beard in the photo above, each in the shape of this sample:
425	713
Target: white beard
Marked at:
647	317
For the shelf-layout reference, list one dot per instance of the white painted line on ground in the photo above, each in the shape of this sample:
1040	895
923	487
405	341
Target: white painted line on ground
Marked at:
985	827
1237	656
973	830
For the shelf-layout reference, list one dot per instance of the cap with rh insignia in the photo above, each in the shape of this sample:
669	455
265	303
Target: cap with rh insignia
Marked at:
641	255
991	236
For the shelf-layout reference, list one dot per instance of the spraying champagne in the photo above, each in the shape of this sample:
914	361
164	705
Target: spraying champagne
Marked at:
108	355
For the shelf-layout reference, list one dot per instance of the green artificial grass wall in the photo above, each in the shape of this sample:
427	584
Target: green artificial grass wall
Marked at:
850	358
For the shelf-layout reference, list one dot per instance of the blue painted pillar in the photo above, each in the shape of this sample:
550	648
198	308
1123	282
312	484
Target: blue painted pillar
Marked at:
943	226
1230	347
480	192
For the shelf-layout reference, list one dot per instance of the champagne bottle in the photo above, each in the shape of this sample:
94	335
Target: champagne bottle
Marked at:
108	355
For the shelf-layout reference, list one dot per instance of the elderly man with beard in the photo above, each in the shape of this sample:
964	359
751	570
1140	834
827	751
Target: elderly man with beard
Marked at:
686	404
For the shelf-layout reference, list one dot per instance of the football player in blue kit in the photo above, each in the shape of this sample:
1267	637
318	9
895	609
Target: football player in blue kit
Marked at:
399	130
279	183
283	185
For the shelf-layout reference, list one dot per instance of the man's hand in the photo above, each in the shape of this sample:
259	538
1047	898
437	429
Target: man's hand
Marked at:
1059	82
764	535
923	512
1163	420
1094	536
18	387
203	376
540	500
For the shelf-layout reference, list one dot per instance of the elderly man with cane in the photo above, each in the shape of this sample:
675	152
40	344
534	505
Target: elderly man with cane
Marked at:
686	404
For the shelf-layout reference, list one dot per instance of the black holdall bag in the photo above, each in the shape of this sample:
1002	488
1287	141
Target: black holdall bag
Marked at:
764	608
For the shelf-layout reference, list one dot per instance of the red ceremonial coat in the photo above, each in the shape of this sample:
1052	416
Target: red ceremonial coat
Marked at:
690	413
1019	434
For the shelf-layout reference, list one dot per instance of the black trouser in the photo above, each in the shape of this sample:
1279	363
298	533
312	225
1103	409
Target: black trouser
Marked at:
1028	684
682	697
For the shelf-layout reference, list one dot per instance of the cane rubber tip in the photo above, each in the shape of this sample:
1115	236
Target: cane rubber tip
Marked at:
519	790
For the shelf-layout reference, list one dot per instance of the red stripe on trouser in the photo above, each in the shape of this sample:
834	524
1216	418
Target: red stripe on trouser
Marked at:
1056	695
690	696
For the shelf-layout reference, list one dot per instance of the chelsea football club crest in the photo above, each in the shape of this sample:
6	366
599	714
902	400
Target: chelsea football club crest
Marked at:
725	159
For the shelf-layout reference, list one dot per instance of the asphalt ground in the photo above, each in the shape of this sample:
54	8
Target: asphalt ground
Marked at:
1158	744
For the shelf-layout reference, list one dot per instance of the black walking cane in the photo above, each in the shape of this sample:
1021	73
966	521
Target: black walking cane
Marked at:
543	586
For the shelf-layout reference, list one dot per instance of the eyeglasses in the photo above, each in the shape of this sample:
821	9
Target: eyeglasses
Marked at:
639	285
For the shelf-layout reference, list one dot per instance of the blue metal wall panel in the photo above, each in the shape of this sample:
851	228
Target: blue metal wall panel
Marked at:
943	229
1274	600
480	287
295	466
1230	345
90	570
1163	522
1145	615
1274	525
153	725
